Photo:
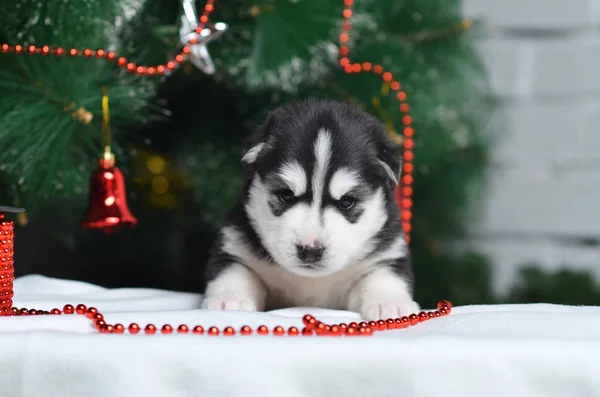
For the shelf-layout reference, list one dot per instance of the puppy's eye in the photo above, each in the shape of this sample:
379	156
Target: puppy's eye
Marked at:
286	195
346	202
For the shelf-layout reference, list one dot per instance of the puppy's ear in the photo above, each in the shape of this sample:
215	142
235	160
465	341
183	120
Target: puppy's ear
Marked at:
252	153
390	161
258	142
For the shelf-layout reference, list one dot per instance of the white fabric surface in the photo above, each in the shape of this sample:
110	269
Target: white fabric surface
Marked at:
514	350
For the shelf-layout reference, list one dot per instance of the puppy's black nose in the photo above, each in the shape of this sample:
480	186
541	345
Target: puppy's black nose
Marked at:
310	254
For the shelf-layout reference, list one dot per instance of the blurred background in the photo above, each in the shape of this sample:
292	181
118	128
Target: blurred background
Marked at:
503	95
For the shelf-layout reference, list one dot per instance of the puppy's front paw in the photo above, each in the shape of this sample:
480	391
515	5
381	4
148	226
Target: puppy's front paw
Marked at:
229	303
387	307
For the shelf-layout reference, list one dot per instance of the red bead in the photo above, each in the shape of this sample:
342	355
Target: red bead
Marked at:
5	47
134	328
245	330
405	321
306	319
278	331
111	56
381	325
186	50
100	323
390	323
179	58
363	324
351	332
151	71
171	65
213	331
31	49
198	330
122	61
14	311
100	53
109	328
353	325
414	319
80	309
73	52
98	316
32	312
140	70
444	303
87	52
160	69
335	330
423	317
103	329
130	66
228	331
45	50
321	328
343	326
59	51
437	313
430	315
183	329
91	311
119	328
307	331
166	329
373	324
362	331
293	331
150	329
262	330
444	312
68	309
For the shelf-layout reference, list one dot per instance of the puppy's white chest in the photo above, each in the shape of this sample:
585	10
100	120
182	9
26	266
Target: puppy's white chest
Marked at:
287	289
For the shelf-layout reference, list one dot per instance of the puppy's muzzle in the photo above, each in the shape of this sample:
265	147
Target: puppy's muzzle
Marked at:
310	254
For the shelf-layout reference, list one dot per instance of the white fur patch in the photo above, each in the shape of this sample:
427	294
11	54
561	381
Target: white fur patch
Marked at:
343	181
382	294
322	156
236	288
294	176
252	154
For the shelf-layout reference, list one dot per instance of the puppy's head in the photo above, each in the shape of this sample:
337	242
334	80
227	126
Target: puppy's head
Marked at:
320	186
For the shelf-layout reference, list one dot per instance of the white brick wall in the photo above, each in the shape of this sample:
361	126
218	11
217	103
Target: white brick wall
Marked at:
543	199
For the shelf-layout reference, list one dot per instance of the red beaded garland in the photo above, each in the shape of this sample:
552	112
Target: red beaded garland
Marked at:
313	326
110	56
6	264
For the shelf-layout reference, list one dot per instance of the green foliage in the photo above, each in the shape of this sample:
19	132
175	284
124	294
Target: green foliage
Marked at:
46	151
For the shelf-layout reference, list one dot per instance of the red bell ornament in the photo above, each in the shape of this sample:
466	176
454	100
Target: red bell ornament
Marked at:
108	199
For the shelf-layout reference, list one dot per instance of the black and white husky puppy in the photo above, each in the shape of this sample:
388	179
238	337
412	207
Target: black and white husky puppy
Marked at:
316	224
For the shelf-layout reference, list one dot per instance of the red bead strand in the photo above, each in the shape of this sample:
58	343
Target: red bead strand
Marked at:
312	326
408	144
111	56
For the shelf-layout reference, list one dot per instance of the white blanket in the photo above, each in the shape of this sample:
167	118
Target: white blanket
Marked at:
505	350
